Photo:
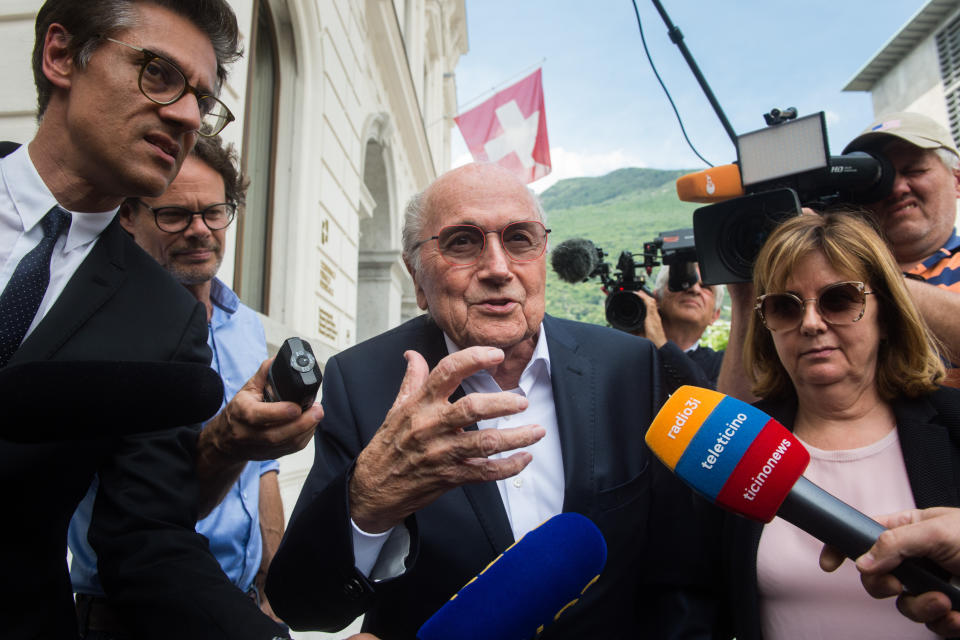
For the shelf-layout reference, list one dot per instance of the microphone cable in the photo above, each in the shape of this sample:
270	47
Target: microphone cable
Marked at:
683	130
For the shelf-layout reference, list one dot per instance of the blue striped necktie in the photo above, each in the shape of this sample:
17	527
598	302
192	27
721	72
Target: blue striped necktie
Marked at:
21	298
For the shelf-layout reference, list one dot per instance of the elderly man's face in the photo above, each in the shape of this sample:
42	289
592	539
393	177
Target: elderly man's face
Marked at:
497	301
918	216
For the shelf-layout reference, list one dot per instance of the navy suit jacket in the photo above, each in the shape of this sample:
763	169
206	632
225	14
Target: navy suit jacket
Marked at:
606	391
119	305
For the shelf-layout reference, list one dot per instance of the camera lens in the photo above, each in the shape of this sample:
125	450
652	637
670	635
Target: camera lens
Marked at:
303	360
626	311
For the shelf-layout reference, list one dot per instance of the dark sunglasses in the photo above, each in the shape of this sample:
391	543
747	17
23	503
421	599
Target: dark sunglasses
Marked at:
838	304
463	244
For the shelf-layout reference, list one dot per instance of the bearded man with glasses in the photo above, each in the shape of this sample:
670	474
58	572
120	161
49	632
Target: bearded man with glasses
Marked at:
451	436
114	122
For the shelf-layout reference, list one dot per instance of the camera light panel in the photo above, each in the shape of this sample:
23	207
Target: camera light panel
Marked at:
782	150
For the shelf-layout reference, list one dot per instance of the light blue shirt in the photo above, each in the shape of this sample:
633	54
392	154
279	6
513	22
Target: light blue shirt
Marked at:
233	527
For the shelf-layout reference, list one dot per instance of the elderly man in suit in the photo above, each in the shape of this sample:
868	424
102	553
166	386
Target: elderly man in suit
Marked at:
416	486
125	87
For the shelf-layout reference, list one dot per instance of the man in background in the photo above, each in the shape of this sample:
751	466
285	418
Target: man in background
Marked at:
184	230
675	321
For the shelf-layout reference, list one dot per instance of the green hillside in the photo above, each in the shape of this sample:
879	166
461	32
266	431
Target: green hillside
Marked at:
617	212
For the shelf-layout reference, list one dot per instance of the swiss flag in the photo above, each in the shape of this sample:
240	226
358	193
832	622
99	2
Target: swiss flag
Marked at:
510	129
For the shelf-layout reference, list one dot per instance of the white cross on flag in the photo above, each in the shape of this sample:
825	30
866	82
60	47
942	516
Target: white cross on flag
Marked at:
510	129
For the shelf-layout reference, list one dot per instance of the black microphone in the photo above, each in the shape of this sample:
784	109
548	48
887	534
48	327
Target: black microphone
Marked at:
50	401
574	260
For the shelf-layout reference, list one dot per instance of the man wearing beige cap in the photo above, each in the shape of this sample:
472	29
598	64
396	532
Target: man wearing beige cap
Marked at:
919	215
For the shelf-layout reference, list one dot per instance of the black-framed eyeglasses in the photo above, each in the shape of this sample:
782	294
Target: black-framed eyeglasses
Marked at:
838	304
176	219
163	82
463	244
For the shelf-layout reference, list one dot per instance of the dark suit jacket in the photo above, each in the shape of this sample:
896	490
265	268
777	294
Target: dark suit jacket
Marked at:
119	305
929	432
699	368
606	391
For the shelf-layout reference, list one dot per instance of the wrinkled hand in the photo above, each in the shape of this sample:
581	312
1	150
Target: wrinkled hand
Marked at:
652	325
421	449
930	533
250	429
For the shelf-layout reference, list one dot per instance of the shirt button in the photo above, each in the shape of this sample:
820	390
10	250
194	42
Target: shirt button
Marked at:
518	482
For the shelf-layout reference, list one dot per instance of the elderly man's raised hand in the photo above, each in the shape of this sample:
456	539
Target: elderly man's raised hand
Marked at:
421	450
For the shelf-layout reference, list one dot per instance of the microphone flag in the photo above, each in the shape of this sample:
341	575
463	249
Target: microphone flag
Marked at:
510	129
732	453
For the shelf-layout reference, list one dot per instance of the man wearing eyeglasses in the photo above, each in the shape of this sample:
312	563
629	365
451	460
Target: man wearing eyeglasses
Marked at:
675	322
124	89
451	436
185	231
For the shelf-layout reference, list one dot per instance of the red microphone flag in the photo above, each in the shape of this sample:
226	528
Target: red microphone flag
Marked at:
510	129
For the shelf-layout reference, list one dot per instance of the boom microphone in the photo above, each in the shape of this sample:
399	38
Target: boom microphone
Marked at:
746	462
574	260
49	401
527	587
711	185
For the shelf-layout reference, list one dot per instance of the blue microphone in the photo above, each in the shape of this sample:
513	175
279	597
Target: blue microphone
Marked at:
528	587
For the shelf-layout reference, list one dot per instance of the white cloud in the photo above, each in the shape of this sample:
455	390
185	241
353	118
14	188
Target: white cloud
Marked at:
573	164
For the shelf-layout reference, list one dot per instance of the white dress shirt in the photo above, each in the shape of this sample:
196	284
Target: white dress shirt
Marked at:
530	497
24	201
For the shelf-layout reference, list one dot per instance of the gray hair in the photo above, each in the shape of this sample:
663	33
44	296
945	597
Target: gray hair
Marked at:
89	21
948	158
660	285
414	218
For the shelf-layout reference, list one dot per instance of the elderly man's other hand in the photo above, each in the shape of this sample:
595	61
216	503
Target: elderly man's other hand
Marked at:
929	533
249	428
421	450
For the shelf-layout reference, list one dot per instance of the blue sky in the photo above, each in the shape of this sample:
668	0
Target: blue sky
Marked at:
605	109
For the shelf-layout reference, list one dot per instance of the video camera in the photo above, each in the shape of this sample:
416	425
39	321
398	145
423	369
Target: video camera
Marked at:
779	169
578	260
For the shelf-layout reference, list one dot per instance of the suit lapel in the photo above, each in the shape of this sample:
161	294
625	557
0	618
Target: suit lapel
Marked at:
95	281
484	498
927	453
572	377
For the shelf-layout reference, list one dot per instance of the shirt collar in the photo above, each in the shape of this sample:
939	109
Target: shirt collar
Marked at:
948	249
483	382
222	296
32	200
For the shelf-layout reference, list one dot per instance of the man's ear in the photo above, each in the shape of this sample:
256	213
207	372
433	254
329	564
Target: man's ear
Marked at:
956	182
126	214
57	61
421	296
